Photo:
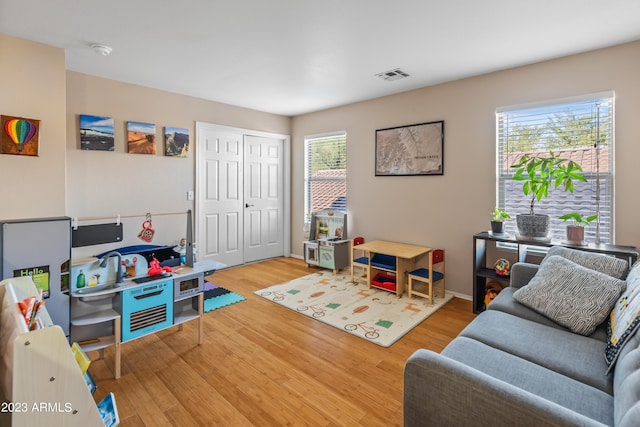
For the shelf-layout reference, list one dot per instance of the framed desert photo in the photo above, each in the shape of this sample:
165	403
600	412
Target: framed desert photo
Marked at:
96	133
410	150
141	138
176	142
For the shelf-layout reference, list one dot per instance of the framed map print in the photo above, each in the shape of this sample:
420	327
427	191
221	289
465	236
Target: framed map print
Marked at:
410	150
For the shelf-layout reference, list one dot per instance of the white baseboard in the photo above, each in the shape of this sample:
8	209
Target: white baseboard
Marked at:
459	295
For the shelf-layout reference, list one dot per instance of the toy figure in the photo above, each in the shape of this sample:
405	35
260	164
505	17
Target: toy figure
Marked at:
502	267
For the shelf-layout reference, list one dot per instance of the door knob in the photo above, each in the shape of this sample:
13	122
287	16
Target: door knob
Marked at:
247	205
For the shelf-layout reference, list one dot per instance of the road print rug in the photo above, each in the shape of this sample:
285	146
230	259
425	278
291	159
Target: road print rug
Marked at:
372	314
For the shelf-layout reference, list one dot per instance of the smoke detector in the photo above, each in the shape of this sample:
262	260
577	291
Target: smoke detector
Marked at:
392	75
101	49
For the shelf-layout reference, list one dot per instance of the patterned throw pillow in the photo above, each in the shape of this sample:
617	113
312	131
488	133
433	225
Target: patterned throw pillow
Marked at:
624	320
571	295
607	264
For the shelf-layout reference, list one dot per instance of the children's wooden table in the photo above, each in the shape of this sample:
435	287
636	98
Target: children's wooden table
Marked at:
404	254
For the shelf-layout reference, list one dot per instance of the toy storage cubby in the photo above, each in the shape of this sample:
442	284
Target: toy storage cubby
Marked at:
97	328
383	272
40	378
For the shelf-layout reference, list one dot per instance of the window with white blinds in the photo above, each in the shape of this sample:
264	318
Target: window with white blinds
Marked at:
325	173
580	130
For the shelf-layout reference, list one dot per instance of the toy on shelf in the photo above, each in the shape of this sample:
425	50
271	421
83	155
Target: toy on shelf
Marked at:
182	250
502	267
493	289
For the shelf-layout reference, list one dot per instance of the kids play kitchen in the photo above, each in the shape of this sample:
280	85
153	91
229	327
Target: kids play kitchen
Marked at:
112	297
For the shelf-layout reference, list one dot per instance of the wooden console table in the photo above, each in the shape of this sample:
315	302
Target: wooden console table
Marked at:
404	254
482	267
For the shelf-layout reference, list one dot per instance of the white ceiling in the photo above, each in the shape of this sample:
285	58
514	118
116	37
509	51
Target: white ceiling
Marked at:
296	56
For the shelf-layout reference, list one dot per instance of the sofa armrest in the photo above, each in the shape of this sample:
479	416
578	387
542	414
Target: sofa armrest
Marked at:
522	273
439	391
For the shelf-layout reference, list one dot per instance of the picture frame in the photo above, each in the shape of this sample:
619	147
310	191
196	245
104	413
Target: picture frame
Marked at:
141	138
97	133
176	141
410	150
19	136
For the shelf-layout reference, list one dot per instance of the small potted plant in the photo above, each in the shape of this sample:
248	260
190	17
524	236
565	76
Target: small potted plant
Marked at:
497	220
539	174
575	230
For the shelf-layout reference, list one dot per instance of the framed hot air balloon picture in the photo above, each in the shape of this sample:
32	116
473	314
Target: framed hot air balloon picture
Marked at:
19	136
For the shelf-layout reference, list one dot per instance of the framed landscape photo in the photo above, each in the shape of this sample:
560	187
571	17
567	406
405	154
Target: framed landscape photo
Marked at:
141	138
410	150
96	133
176	142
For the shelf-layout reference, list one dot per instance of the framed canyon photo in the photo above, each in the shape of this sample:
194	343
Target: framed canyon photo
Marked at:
141	138
410	150
176	142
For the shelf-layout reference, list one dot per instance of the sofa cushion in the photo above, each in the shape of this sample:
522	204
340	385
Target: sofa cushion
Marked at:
572	295
550	347
626	386
533	378
610	265
624	320
505	303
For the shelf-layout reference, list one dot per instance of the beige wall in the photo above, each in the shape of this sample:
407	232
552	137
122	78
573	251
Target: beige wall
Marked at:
441	211
32	86
111	183
64	180
445	211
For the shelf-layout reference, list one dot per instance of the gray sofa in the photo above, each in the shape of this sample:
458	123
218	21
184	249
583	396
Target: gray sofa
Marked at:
513	366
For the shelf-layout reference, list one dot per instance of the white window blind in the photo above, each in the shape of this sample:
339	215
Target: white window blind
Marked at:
580	130
325	173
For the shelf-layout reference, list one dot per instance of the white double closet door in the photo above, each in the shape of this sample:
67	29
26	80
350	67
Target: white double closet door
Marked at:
242	205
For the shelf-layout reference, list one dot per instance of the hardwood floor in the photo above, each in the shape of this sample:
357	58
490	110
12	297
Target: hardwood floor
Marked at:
264	365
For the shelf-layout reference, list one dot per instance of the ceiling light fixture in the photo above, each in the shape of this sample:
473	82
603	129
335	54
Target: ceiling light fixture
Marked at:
101	49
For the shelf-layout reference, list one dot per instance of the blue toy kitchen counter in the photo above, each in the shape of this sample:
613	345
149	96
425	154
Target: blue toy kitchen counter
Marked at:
138	309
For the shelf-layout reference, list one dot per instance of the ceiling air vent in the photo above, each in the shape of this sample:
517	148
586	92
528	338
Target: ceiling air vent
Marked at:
392	75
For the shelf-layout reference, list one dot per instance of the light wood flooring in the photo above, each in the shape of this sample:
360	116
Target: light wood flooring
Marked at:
265	365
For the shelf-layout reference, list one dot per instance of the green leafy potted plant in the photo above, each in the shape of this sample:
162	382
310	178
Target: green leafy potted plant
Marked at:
539	174
497	220
575	230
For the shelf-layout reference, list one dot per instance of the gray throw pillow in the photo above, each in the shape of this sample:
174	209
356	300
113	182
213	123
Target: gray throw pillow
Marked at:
607	264
571	295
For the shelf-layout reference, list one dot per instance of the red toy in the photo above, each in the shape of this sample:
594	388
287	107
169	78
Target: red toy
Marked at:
155	268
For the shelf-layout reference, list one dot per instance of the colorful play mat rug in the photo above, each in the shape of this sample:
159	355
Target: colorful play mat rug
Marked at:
373	314
216	297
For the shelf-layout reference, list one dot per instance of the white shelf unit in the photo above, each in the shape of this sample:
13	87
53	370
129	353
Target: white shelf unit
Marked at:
190	308
106	315
38	371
